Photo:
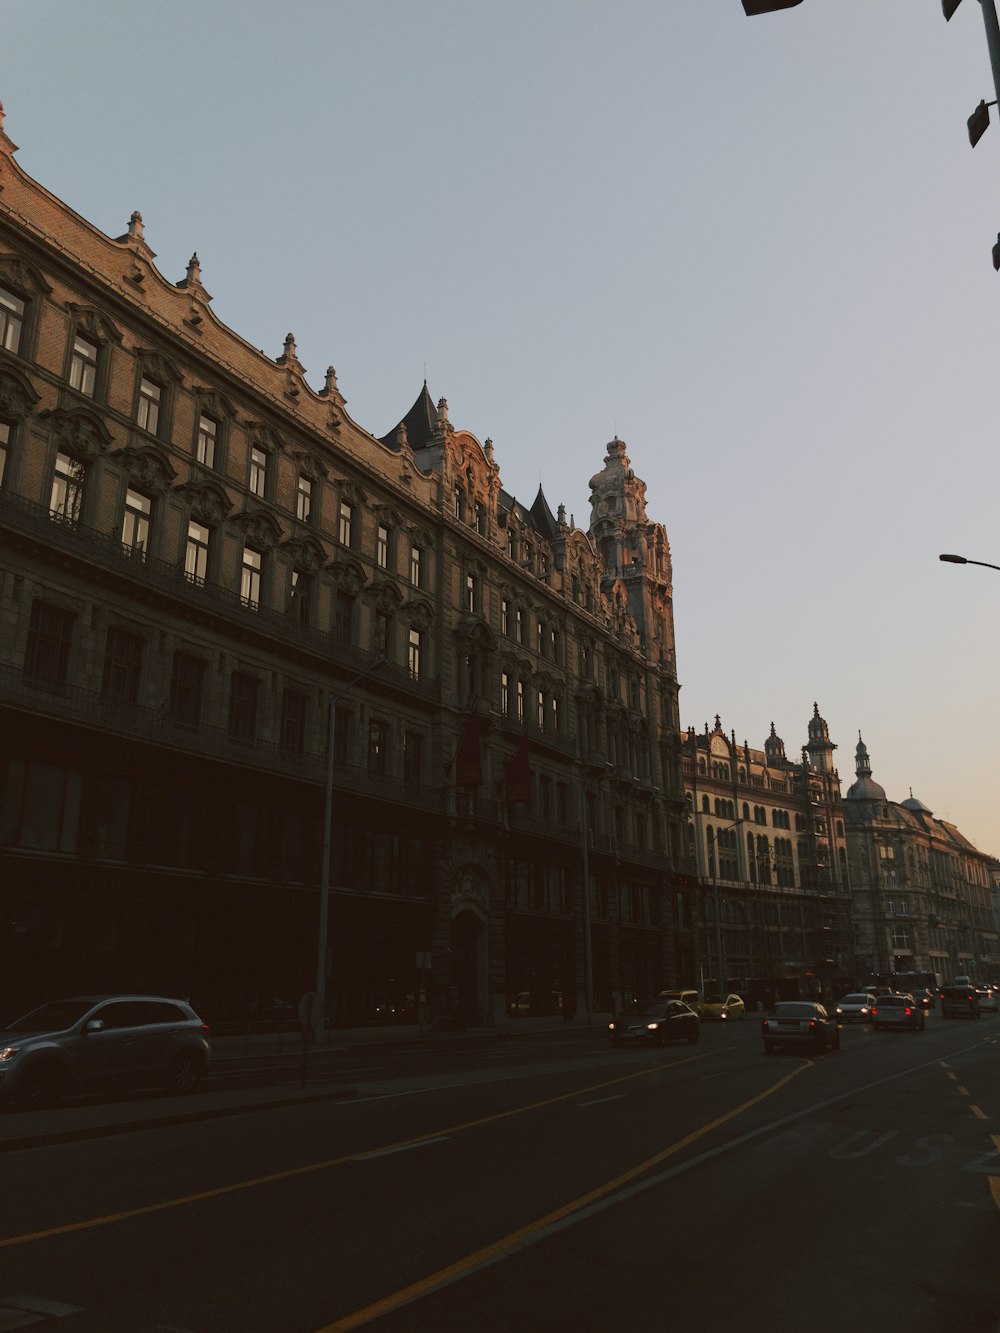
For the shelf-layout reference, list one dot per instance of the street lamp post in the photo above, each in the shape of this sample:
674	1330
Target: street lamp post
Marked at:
319	998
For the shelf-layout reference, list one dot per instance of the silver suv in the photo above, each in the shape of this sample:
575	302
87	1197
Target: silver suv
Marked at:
102	1041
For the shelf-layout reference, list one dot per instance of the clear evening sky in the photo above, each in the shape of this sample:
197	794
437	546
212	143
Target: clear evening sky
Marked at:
757	249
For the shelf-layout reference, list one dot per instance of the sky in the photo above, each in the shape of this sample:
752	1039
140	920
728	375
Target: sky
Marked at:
756	249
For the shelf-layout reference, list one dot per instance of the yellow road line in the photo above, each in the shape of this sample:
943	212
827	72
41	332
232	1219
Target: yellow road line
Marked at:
977	1112
221	1190
471	1261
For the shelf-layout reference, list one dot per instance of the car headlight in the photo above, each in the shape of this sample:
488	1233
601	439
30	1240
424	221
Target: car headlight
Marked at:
611	1027
8	1053
652	1027
723	1014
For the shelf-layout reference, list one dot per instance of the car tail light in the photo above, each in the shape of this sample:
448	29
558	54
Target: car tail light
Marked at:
764	1025
874	1011
206	1029
812	1022
907	1010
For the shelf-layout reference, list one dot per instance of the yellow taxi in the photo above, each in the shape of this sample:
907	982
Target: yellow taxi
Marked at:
722	1006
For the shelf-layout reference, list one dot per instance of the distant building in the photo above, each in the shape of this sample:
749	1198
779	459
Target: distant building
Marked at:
768	837
922	895
201	556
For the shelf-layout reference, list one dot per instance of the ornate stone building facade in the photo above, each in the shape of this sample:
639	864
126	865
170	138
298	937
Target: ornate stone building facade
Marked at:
207	569
922	894
769	839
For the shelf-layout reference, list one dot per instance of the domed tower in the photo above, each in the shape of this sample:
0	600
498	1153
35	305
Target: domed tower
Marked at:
634	551
865	788
774	750
820	747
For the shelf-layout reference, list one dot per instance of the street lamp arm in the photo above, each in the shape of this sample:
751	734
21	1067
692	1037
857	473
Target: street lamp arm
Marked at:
962	560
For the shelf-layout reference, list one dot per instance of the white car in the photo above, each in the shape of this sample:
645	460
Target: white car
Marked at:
855	1008
988	1000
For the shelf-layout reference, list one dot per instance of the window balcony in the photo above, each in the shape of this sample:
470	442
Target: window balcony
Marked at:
107	551
155	726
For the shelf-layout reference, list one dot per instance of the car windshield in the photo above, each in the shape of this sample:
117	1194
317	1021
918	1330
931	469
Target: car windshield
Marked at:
656	1009
854	999
54	1017
789	1009
893	1001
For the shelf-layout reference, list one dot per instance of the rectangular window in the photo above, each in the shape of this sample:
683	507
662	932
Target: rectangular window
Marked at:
459	498
376	748
504	616
204	450
122	661
66	501
303	499
243	706
301	596
505	693
46	655
196	552
250	577
11	320
382	644
343	617
382	547
413	654
148	417
520	700
4	447
556	716
412	756
519	625
416	566
135	525
293	720
186	684
83	366
470	592
258	469
541	639
480	518
540	711
344	531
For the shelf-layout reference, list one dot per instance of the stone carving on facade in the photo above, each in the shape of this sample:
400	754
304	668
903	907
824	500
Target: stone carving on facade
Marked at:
306	552
148	467
308	464
213	403
260	528
158	366
348	575
78	432
94	323
22	276
208	502
420	614
17	397
386	597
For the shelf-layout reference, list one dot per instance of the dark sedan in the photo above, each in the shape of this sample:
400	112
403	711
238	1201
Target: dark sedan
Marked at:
799	1023
654	1023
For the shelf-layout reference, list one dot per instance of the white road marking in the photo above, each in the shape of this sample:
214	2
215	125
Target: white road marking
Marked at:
598	1100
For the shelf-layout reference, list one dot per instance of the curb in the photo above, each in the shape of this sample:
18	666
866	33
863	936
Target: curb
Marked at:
50	1138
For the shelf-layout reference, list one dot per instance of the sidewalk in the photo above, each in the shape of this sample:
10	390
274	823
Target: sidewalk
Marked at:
85	1118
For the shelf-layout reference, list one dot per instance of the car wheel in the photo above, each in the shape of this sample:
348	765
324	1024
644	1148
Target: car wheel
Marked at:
42	1086
184	1074
694	1034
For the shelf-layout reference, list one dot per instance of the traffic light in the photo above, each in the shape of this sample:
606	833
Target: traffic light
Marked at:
949	6
751	7
979	122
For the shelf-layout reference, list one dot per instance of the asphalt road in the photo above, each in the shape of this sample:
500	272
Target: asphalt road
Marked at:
543	1186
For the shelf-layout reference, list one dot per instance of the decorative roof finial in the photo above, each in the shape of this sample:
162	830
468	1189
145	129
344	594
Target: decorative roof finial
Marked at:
135	232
